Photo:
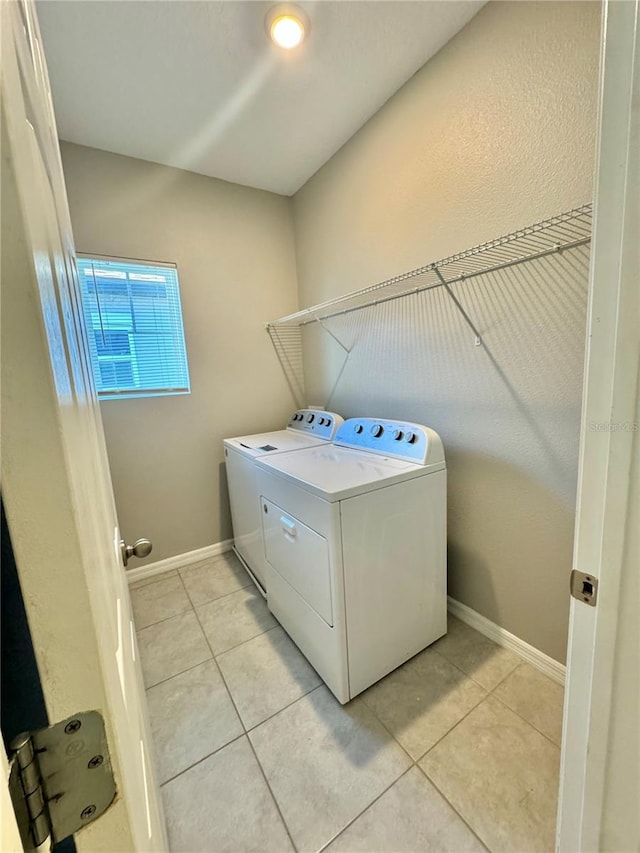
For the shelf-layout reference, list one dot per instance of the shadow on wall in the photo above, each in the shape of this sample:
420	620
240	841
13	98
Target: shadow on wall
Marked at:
509	548
508	413
223	503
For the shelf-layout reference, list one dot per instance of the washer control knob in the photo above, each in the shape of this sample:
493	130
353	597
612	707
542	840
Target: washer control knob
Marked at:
377	430
321	421
327	421
358	429
411	438
398	434
310	418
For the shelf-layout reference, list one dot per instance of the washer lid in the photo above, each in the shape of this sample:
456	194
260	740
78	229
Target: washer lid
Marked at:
334	473
279	441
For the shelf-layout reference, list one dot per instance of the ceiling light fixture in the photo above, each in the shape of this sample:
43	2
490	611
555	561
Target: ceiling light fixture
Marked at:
287	25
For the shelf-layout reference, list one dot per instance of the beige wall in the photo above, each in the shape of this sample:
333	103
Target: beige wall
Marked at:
235	256
495	132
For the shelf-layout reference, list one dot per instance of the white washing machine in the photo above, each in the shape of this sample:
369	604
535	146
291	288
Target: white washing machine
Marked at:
306	428
355	544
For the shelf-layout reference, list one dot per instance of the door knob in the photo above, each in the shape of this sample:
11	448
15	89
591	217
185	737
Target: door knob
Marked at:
141	548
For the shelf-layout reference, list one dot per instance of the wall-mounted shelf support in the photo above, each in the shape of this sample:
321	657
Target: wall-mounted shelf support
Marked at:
347	349
456	302
552	236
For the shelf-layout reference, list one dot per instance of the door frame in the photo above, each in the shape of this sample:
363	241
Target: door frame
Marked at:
55	476
607	435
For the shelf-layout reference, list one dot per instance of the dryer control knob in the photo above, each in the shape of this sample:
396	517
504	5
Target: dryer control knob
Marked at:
398	434
377	430
358	428
310	418
411	438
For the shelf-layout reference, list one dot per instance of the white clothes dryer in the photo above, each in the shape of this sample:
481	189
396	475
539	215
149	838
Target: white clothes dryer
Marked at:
306	428
355	545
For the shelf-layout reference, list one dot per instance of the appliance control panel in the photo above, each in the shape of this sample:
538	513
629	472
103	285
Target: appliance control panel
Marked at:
413	442
319	423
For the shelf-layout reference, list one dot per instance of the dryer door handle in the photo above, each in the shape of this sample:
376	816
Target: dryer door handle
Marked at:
288	526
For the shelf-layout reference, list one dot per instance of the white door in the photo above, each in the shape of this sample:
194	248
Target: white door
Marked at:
55	477
600	771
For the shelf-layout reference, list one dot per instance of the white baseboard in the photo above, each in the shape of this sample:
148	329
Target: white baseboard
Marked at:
178	561
504	638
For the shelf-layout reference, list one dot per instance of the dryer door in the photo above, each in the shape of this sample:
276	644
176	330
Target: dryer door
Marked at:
300	556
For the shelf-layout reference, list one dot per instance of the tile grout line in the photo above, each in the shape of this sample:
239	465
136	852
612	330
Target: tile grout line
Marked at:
273	796
211	600
213	657
471	710
502	680
275	714
528	722
192	606
244	642
221	654
177	572
284	708
453	727
200	760
392	735
366	808
455	810
387	730
148	687
414	763
182	672
468	675
446	734
262	770
246	734
492	693
161	621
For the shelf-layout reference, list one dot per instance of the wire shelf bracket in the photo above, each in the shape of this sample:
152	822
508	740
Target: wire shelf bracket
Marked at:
551	236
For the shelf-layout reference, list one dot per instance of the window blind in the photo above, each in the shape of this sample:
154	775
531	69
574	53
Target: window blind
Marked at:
134	324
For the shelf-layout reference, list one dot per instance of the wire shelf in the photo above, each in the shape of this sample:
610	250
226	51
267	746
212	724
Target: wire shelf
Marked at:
565	231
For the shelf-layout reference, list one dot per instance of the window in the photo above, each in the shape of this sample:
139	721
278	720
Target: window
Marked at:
134	324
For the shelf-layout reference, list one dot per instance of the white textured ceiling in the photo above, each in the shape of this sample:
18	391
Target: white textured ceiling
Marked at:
197	85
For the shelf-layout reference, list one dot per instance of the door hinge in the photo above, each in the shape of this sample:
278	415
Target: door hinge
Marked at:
61	778
584	587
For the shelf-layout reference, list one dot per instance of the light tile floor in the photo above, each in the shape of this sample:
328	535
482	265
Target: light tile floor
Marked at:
457	750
